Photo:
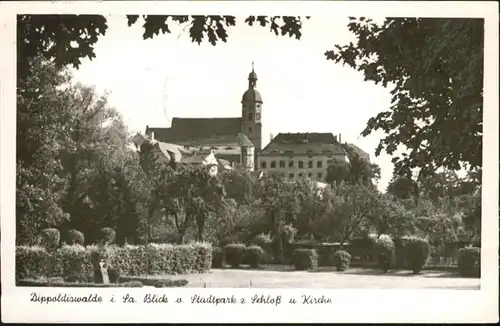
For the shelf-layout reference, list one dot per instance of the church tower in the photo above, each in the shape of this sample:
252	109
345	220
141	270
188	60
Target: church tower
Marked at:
251	114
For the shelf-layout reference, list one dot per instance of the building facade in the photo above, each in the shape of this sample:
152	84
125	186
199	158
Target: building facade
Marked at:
301	155
237	140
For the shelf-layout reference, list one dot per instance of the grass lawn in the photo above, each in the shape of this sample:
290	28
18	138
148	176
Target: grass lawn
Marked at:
278	276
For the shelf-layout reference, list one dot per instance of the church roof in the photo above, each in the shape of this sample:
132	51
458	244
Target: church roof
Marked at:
202	132
251	95
303	144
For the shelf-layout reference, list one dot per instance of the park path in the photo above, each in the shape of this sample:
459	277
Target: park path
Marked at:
350	279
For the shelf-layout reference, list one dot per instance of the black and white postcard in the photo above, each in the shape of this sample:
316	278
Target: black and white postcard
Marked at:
249	161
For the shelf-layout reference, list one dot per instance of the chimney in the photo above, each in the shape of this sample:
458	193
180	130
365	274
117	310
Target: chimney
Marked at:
152	135
340	138
271	136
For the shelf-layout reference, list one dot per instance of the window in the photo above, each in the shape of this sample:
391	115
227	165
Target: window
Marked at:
257	116
320	175
250	116
301	164
290	175
319	164
273	164
290	164
282	164
309	174
310	164
301	175
263	164
249	129
329	162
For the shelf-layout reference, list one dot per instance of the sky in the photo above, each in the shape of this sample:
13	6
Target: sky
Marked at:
152	81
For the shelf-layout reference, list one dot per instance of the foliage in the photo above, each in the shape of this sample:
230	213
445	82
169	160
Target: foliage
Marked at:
43	283
51	36
416	253
50	238
217	258
254	255
402	187
153	259
469	262
108	235
41	132
349	210
76	237
342	259
261	240
385	250
436	69
113	274
288	233
234	254
305	259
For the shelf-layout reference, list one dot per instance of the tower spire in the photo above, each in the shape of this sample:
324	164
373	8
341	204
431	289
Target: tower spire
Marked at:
253	66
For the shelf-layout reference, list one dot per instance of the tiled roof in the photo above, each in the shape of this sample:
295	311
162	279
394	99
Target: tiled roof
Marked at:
303	144
188	128
203	132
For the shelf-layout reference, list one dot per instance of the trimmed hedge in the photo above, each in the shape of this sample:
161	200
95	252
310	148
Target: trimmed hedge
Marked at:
75	262
385	249
217	258
76	237
50	238
305	259
234	254
108	235
42	283
469	262
254	256
341	260
416	253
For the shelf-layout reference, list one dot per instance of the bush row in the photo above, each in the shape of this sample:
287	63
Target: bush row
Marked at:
51	238
237	254
77	262
469	262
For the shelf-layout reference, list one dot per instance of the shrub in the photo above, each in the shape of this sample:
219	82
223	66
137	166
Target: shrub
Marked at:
261	240
50	238
254	255
385	250
341	260
234	254
76	237
114	275
78	262
108	235
416	253
304	259
31	262
217	258
170	283
74	263
469	262
288	233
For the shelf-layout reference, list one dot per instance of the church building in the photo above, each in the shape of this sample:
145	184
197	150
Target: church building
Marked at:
236	140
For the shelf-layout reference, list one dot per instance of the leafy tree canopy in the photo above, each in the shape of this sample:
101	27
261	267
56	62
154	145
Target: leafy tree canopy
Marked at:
436	69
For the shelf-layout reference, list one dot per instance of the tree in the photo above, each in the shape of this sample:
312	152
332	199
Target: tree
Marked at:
357	171
41	131
402	187
349	212
435	67
54	36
